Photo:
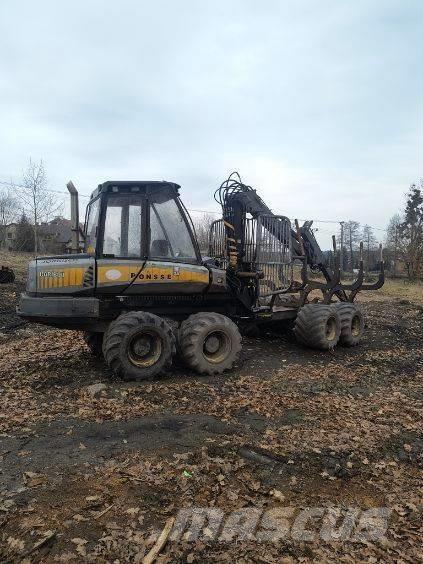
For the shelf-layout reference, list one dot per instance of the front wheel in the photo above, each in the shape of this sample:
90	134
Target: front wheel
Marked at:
138	345
209	343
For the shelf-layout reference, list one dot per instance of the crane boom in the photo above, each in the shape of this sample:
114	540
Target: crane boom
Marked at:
245	200
249	223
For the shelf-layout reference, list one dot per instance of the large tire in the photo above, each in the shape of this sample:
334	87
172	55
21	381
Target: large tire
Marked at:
352	324
94	342
138	345
209	343
318	326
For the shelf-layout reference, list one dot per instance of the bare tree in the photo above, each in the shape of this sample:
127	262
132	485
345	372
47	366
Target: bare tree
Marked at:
341	243
38	202
353	237
393	240
8	211
370	243
202	228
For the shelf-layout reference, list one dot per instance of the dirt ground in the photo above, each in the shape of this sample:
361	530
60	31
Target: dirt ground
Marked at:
94	477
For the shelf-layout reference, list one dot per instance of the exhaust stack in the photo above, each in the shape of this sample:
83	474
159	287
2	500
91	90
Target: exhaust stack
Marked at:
74	216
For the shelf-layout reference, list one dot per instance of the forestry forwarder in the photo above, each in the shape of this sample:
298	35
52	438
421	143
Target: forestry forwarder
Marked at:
141	290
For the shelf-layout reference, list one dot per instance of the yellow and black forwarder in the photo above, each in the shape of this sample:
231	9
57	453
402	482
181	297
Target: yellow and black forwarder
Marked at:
140	288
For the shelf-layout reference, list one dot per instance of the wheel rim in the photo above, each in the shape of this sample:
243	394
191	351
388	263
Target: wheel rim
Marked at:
356	326
216	346
331	329
144	348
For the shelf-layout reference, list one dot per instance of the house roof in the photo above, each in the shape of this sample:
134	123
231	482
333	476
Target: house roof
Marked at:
59	228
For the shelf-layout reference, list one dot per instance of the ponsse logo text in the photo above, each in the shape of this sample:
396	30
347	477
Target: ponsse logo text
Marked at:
152	276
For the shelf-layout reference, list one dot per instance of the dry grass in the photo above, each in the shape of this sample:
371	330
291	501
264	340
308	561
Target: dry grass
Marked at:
403	289
17	261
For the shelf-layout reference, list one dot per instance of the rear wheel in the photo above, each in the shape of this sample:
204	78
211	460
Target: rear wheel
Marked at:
209	342
318	326
138	345
352	324
94	342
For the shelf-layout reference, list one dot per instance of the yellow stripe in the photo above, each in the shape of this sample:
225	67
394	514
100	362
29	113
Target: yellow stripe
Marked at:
163	274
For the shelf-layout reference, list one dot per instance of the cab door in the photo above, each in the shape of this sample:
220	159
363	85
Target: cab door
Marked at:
174	259
123	246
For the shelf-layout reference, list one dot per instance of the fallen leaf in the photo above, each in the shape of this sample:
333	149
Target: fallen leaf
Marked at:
277	495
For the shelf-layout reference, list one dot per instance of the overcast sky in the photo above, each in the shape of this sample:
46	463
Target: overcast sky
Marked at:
319	104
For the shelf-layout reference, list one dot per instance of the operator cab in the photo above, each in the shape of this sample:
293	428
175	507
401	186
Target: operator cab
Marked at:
134	220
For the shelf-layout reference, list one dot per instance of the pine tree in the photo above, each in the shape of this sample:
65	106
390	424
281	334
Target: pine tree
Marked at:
24	235
411	231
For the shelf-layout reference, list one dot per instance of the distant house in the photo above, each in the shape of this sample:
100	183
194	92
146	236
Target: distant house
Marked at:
55	237
8	237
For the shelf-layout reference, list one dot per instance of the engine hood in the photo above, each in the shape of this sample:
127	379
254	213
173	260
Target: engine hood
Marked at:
62	275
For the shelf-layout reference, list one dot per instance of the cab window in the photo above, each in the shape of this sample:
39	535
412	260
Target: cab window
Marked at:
169	234
122	226
91	226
